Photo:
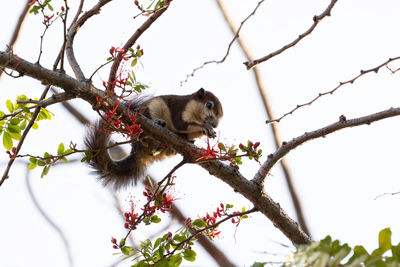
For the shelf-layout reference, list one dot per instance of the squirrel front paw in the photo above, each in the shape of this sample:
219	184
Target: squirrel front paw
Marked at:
209	131
160	122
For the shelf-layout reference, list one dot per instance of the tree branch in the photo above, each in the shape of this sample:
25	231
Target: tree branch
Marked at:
71	35
316	19
330	92
230	175
132	41
322	132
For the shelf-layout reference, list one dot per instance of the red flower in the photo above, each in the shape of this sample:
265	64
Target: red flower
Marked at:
131	217
209	152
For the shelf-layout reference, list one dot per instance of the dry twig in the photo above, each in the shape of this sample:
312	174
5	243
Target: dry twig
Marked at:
316	19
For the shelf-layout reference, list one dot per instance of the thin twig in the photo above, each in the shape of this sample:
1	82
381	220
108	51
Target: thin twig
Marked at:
330	92
236	36
322	132
316	19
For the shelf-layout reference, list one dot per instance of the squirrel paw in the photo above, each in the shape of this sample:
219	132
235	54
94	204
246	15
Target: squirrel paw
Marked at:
209	131
160	122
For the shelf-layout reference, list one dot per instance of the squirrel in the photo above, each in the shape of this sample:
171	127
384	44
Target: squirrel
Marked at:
189	116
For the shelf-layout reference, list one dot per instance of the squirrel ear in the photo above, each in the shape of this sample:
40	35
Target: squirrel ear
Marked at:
200	93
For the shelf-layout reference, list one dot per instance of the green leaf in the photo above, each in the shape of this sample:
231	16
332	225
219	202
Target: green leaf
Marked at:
396	251
141	263
199	223
229	206
32	166
162	263
33	160
41	163
23	125
50	7
46	157
7	141
45	113
161	251
14	121
189	255
385	239
126	250
134	62
45	171
222	146
15	136
60	150
158	241
258	264
13	128
2	114
35	126
155	219
358	255
10	106
175	260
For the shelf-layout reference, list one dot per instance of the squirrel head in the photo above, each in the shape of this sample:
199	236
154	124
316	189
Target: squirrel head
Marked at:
205	107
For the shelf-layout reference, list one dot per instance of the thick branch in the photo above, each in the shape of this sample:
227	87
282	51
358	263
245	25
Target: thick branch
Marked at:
229	175
71	35
316	19
341	124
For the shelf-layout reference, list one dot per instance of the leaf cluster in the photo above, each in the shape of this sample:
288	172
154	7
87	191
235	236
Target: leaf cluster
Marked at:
159	253
12	125
47	160
331	253
37	7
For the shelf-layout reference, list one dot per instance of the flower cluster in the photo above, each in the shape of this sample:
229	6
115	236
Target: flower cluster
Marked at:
158	202
131	218
212	220
229	153
209	224
125	78
42	5
131	130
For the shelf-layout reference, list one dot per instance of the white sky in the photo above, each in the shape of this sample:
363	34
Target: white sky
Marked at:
337	177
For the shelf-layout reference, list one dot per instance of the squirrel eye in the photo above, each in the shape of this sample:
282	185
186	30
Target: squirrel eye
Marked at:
209	105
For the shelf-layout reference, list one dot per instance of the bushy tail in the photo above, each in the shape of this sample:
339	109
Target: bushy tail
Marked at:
118	173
